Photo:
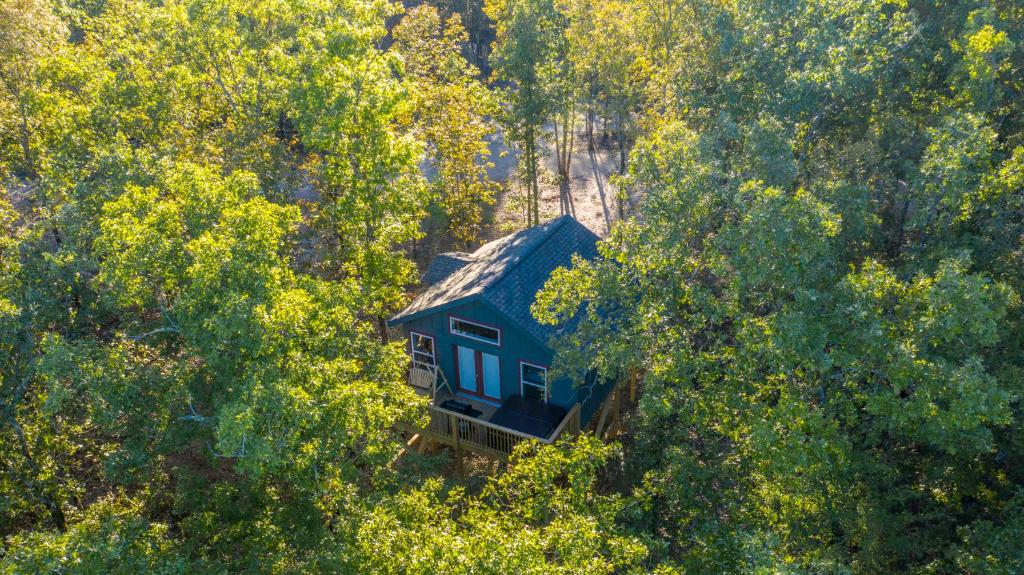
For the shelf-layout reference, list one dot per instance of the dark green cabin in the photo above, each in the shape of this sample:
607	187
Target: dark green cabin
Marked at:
474	328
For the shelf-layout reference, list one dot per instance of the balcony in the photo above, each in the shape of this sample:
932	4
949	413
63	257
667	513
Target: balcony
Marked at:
481	428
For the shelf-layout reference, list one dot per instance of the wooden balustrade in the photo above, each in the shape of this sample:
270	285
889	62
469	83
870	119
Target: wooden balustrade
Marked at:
472	434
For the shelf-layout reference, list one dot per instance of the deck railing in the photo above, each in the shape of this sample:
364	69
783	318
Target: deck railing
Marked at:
472	434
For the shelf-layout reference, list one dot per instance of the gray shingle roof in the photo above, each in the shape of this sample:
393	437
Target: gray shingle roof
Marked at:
444	265
508	272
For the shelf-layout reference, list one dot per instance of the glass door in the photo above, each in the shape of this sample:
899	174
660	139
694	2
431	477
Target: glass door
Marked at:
467	369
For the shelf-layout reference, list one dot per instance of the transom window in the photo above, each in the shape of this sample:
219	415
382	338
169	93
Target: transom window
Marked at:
533	381
479	332
422	348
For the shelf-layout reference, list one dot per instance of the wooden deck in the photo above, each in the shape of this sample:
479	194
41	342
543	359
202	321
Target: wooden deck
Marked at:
478	435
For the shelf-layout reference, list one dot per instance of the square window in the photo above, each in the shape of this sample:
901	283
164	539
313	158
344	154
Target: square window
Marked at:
422	348
533	381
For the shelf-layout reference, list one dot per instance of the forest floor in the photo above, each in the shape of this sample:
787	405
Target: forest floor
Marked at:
591	197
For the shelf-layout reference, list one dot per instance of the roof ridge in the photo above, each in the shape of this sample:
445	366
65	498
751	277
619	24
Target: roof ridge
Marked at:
501	268
556	224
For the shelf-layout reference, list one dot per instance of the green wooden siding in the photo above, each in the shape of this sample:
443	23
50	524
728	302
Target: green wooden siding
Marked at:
516	346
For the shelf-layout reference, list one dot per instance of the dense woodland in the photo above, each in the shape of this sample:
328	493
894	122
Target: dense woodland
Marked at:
209	208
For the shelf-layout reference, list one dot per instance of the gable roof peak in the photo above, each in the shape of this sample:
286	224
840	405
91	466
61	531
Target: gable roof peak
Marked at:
508	272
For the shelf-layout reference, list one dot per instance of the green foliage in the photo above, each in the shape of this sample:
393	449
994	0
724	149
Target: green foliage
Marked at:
203	224
543	515
160	335
818	286
350	110
452	110
529	55
29	32
112	537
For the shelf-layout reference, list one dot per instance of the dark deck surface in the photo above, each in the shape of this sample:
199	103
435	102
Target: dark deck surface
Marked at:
461	407
532	417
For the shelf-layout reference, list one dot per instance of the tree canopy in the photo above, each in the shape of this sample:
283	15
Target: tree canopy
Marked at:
209	209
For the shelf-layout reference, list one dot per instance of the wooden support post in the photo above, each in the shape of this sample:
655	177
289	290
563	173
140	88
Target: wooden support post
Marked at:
413	441
453	424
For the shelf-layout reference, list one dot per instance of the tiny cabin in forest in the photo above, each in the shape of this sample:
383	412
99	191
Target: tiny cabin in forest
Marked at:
477	350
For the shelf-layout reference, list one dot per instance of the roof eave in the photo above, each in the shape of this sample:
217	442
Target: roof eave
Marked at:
402	317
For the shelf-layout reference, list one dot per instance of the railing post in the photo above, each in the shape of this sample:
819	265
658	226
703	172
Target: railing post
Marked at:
453	424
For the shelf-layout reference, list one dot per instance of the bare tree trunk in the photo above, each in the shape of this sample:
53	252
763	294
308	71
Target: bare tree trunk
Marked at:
590	122
570	130
622	143
604	122
530	193
537	191
564	144
558	148
533	190
536	187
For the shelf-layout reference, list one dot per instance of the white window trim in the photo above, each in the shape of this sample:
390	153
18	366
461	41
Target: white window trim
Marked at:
523	382
451	329
412	346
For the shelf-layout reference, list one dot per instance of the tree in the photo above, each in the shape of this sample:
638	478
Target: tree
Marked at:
29	33
452	111
544	514
351	110
816	285
528	56
113	537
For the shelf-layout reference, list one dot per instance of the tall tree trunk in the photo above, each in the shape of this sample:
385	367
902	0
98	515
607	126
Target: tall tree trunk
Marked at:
536	189
569	134
533	202
590	125
534	186
564	144
604	122
622	143
558	148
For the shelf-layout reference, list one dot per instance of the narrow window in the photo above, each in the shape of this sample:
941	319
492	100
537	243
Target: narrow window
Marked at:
533	381
422	348
474	331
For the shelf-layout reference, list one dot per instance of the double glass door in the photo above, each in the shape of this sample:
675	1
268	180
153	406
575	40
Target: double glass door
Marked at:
479	373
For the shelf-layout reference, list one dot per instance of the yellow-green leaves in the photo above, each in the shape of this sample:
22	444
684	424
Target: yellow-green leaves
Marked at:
451	111
544	515
113	537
